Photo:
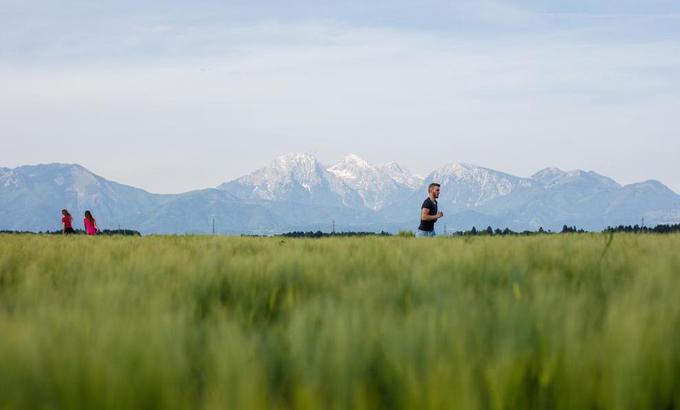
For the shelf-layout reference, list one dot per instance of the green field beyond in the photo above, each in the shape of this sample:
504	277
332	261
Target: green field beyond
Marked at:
553	322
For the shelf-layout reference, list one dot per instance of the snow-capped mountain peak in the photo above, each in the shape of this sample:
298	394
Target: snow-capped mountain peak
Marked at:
466	185
293	158
293	178
551	177
294	163
548	174
470	173
352	168
377	185
651	185
401	175
283	173
356	160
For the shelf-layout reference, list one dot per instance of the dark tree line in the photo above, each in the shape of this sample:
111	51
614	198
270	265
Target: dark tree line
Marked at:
571	229
644	229
489	231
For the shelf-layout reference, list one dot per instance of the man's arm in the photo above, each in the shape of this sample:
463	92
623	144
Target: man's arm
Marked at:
425	215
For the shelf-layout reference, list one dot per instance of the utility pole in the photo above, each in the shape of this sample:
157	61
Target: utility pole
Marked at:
643	222
213	224
333	226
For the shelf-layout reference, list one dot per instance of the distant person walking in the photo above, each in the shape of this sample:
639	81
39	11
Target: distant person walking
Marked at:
429	213
66	222
90	224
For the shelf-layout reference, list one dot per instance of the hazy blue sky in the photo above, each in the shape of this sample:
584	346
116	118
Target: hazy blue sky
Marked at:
184	95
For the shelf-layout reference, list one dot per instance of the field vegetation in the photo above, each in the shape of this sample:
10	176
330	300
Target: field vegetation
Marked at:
574	321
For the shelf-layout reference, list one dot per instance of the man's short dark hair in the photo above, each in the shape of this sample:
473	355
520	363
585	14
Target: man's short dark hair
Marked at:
432	185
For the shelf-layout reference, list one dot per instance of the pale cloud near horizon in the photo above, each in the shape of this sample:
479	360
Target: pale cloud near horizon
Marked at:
171	106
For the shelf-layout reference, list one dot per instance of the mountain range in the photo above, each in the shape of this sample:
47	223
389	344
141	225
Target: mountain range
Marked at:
297	192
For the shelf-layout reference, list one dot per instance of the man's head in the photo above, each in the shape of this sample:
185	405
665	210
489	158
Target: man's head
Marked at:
433	190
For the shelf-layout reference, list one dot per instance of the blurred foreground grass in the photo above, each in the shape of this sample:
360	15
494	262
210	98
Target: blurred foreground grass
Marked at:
554	322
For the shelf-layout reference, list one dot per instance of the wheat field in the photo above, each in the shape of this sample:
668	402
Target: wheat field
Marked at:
585	321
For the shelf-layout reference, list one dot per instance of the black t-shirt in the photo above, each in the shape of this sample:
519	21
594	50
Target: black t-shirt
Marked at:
432	210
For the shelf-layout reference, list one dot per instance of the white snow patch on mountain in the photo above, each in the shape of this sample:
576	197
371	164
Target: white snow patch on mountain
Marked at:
401	175
551	177
377	185
488	184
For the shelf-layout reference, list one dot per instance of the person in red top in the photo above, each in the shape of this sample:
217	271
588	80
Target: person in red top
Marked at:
66	222
90	223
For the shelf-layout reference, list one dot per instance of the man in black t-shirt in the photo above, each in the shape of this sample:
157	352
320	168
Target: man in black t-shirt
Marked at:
429	213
